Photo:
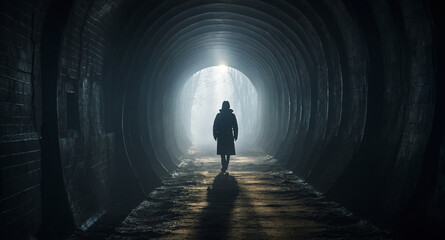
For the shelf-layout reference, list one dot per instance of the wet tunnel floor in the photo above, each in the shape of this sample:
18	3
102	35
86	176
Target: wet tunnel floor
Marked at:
257	199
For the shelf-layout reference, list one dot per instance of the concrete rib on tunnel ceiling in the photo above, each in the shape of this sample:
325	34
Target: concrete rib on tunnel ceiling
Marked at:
347	97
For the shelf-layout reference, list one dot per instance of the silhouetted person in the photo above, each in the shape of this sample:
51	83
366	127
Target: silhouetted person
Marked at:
225	131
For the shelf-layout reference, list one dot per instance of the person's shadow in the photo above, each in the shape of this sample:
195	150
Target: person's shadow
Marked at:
215	218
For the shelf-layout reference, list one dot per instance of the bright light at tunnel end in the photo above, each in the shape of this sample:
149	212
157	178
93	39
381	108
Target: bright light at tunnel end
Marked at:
206	90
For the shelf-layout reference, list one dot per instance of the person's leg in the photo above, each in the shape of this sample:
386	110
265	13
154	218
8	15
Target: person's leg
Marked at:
223	162
227	161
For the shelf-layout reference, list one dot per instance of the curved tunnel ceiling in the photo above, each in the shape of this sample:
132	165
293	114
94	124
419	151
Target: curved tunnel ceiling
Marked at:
94	100
274	44
237	35
321	69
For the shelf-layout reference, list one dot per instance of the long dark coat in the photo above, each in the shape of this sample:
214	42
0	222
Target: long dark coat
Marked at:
225	130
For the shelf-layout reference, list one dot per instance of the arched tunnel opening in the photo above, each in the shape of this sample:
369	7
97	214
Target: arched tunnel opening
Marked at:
108	106
200	100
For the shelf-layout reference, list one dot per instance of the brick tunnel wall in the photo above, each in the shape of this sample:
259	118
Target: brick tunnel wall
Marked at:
20	119
94	154
86	147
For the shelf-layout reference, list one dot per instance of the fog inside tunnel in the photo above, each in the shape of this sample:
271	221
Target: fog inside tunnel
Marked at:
208	88
108	106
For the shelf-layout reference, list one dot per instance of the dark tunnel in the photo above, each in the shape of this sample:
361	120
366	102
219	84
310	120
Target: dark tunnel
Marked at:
96	108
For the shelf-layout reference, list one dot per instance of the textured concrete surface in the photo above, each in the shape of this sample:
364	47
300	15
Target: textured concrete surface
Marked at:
350	94
256	199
